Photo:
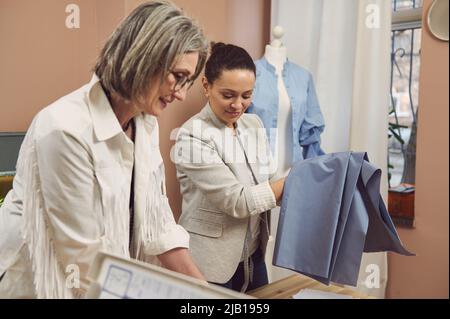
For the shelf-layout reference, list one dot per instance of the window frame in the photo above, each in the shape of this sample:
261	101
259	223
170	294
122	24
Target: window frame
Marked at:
403	203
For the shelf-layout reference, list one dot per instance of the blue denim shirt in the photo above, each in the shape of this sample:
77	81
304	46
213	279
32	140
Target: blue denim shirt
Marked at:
307	119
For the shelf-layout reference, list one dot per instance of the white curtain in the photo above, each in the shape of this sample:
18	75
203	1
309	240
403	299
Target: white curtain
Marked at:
345	44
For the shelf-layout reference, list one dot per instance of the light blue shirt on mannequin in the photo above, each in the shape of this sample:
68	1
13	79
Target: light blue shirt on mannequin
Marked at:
307	119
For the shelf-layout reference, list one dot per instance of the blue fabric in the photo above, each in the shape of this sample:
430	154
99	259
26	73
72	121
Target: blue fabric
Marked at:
307	119
331	212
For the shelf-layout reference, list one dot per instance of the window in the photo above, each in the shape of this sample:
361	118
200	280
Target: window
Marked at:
403	115
9	151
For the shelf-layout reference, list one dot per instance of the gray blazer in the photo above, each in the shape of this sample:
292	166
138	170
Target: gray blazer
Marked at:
221	191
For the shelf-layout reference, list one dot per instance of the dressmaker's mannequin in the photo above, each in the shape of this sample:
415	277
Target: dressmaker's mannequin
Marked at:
276	55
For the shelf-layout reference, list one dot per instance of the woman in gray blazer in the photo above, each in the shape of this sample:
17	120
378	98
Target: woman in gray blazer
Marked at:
224	166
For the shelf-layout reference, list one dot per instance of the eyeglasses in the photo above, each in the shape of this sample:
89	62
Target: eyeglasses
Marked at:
181	81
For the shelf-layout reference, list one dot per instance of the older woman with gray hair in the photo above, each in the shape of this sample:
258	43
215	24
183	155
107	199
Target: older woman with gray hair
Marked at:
90	175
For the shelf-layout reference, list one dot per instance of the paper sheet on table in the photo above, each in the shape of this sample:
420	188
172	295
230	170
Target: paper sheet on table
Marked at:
113	277
318	294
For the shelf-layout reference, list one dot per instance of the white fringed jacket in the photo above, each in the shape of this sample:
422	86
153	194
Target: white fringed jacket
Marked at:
71	193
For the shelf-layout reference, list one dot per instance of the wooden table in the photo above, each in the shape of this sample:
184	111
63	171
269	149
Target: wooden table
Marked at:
289	286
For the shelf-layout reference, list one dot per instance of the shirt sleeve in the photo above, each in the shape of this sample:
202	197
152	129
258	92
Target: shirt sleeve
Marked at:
161	232
11	219
205	169
70	200
313	125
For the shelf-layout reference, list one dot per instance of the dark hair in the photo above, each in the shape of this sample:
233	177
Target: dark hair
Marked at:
227	57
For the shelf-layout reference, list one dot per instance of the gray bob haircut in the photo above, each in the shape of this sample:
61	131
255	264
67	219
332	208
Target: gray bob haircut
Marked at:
146	45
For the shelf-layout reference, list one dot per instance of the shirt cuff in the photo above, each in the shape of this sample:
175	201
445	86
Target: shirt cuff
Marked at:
175	237
263	198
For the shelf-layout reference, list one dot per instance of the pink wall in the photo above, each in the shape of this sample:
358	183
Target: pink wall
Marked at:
41	59
426	275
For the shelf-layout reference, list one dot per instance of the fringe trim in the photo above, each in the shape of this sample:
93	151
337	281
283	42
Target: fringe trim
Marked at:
153	221
49	278
117	221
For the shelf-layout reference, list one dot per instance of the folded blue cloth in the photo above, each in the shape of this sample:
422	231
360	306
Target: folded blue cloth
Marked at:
331	212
